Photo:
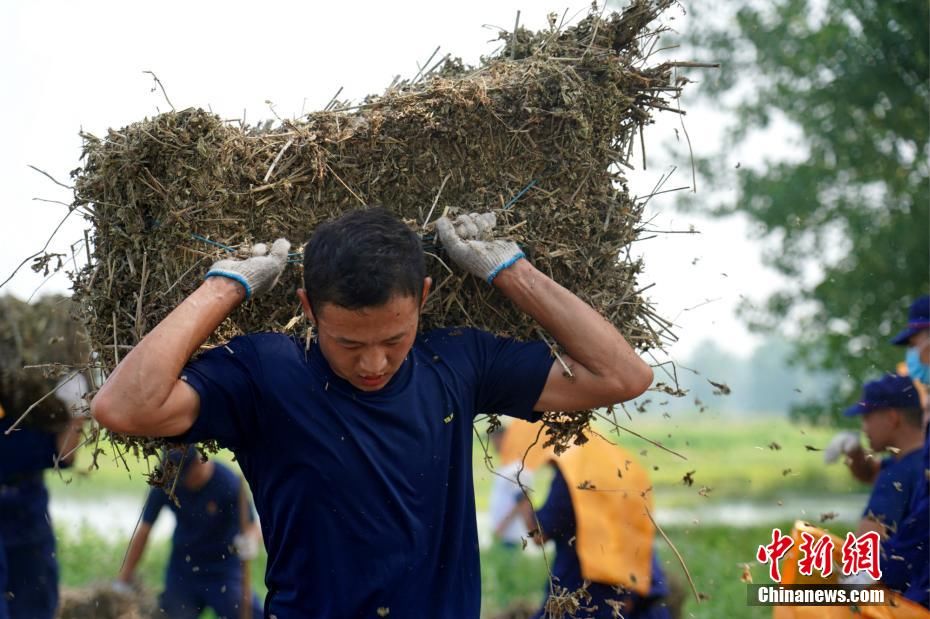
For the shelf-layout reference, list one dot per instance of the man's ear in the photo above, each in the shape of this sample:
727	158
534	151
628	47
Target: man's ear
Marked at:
427	284
893	418
305	305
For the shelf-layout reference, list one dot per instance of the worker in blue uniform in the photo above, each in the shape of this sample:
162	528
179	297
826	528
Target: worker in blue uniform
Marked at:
597	512
357	443
906	552
28	564
889	408
208	548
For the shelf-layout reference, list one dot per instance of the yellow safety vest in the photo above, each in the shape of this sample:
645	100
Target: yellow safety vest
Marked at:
518	437
919	386
610	493
898	608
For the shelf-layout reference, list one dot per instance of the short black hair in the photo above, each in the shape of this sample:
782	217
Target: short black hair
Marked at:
363	259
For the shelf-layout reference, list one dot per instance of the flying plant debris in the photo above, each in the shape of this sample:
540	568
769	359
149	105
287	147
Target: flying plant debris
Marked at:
540	133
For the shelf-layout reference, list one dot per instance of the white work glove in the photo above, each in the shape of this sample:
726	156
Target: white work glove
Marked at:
843	443
258	273
860	578
122	587
246	546
71	392
468	242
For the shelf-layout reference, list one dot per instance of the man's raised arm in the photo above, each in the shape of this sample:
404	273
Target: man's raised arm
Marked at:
144	395
604	368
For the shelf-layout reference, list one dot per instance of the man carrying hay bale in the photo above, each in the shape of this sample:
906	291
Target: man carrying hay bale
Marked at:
357	443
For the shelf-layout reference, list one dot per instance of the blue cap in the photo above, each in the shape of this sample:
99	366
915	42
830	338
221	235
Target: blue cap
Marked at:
918	319
182	456
889	391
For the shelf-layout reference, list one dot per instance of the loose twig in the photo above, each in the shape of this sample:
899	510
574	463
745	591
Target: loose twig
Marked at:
160	85
681	560
39	401
44	247
436	199
51	178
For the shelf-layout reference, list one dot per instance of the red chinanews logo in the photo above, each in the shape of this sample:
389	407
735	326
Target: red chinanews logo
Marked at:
859	554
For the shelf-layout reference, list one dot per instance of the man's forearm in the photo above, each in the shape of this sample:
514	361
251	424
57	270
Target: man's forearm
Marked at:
868	525
143	381
862	466
134	553
585	335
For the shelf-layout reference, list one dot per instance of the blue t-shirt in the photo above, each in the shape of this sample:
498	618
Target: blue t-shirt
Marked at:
557	519
366	498
891	493
208	520
24	454
906	553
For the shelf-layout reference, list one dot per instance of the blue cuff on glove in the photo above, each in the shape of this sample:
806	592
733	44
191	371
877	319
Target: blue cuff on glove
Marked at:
233	276
504	265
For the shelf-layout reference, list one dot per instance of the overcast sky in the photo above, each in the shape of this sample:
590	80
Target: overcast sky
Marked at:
72	65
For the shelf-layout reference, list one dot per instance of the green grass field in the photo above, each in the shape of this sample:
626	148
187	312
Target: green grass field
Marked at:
714	556
735	458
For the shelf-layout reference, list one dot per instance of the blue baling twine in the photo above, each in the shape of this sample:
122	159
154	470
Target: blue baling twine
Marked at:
432	237
296	256
520	195
206	240
291	256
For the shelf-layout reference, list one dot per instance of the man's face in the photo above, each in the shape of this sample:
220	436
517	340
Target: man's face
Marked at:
921	341
367	346
878	426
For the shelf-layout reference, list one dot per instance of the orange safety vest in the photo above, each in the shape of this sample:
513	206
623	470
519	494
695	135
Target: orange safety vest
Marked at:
898	607
919	386
610	494
518	436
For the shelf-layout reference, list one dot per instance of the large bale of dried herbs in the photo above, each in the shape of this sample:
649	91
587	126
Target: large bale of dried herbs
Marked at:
539	133
39	344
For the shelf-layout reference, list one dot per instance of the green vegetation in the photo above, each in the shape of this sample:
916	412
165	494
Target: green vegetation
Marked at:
847	214
739	460
735	458
88	558
753	459
714	555
114	473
